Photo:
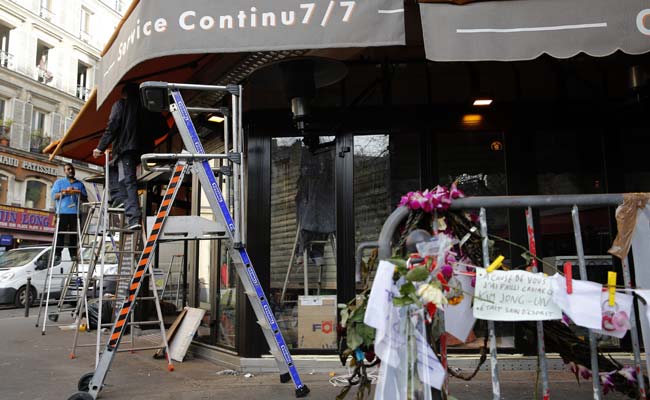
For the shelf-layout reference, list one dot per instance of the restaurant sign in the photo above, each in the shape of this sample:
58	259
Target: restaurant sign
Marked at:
165	27
26	219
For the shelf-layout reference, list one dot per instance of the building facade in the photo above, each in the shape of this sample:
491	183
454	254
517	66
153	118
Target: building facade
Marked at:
49	50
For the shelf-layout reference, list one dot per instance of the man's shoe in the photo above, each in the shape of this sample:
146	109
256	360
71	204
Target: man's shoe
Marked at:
135	227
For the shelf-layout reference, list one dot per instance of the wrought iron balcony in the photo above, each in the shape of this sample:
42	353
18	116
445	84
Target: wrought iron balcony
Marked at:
83	92
43	75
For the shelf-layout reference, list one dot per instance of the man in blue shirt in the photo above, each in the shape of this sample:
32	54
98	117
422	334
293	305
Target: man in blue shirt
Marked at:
67	193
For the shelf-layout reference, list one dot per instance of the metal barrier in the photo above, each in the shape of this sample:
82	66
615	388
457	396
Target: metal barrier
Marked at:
528	202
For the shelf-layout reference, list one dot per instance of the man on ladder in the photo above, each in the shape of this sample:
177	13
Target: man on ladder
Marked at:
68	192
129	130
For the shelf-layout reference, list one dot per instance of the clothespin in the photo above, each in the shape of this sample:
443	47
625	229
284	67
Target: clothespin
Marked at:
568	275
611	286
495	264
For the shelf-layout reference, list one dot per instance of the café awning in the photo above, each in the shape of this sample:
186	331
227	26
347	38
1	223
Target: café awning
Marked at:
172	40
525	29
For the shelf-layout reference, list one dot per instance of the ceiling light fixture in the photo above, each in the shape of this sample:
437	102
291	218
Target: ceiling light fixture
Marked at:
215	118
482	102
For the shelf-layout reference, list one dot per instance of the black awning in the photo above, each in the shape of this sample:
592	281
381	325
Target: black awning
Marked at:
525	29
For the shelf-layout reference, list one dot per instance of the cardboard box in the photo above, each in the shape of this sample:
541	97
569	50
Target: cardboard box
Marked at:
317	322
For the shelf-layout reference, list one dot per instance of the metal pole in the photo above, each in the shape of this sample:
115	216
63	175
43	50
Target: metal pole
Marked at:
635	334
242	178
538	201
593	346
494	368
235	144
541	349
102	250
28	289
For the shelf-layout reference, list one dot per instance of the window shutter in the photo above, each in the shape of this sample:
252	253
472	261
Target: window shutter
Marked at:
27	117
67	124
57	129
18	127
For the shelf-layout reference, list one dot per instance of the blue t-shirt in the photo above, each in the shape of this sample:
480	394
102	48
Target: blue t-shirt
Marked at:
67	204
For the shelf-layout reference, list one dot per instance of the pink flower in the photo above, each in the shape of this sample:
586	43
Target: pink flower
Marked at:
455	192
628	373
447	271
439	198
606	381
565	319
585	372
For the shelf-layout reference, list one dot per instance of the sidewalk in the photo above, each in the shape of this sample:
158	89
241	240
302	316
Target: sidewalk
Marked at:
38	367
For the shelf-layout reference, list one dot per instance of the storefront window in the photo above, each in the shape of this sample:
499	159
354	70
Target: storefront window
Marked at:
385	168
475	161
216	285
35	195
568	164
204	283
303	240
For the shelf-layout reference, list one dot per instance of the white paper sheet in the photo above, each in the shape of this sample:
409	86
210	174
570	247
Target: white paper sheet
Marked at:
430	369
459	319
377	311
583	305
514	296
623	303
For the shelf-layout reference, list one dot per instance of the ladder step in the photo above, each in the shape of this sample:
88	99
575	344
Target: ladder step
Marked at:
141	348
134	323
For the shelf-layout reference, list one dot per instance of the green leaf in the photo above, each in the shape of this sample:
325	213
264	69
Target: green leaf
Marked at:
402	301
417	274
357	315
353	338
407	289
366	332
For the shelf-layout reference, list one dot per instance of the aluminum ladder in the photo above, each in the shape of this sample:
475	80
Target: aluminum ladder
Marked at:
159	96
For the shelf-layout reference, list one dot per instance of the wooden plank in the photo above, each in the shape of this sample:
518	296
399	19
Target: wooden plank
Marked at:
170	332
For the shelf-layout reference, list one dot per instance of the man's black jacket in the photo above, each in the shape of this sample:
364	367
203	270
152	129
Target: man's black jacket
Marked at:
131	128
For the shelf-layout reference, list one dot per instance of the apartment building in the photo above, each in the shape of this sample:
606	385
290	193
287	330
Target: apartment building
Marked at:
49	50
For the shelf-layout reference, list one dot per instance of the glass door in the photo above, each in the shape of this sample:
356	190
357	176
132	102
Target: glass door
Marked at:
303	240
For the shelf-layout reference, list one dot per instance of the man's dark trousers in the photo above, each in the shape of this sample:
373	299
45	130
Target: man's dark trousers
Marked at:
127	163
67	223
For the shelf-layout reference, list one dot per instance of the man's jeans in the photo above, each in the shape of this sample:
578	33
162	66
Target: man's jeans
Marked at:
127	164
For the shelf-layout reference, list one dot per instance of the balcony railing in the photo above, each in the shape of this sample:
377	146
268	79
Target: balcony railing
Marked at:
6	60
43	75
83	92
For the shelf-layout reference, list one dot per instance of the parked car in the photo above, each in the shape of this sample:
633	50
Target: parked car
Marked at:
110	268
18	264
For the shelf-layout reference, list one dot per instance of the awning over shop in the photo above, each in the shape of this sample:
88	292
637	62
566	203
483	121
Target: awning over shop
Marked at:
160	28
171	40
525	29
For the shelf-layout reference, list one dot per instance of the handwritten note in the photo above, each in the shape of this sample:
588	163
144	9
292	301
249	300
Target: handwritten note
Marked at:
514	296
